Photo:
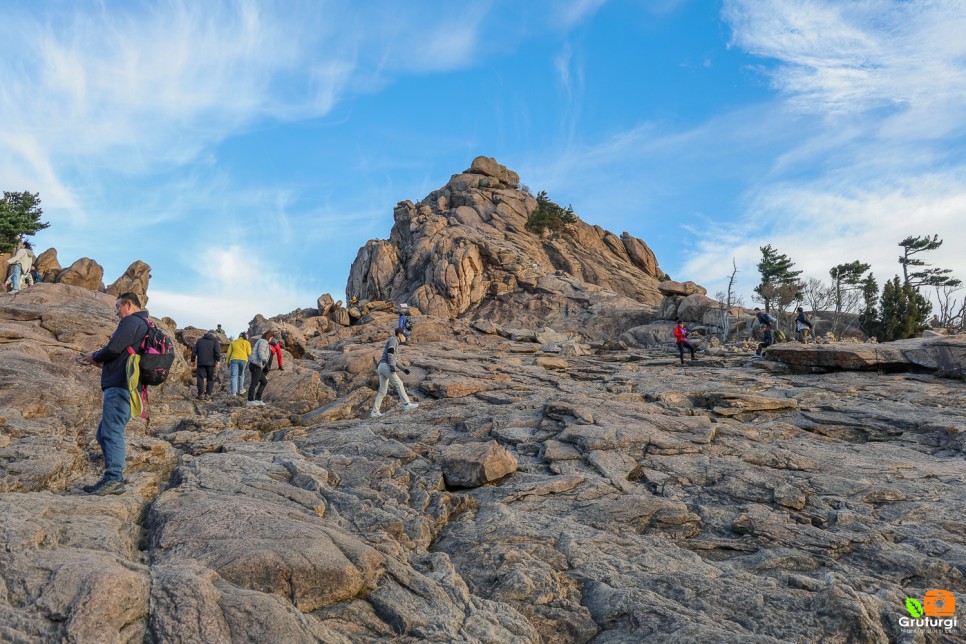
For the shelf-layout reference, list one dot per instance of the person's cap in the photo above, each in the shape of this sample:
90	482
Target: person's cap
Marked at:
211	330
680	321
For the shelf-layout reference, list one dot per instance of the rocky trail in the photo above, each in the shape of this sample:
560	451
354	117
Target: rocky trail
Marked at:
572	496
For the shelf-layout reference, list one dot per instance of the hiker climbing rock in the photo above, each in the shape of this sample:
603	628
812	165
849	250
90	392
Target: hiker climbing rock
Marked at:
21	263
116	409
237	357
258	364
207	353
388	365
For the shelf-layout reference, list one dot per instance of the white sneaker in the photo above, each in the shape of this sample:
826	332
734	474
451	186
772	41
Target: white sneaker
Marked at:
259	403
375	414
251	403
410	406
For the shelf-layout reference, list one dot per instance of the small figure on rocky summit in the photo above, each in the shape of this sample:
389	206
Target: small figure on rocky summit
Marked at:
22	260
220	330
258	364
767	338
237	357
207	353
388	365
803	326
681	339
116	409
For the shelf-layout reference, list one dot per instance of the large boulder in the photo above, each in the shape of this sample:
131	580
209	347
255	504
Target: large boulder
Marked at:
85	273
476	464
134	280
670	287
47	264
324	304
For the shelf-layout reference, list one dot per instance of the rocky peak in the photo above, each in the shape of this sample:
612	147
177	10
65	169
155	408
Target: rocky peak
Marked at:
466	247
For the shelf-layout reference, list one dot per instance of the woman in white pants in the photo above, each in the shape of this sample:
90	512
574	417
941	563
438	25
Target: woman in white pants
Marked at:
388	365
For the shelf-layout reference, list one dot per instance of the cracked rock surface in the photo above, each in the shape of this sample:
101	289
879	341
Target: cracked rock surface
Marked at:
646	501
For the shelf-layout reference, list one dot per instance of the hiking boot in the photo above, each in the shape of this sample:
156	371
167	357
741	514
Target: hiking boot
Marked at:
375	414
105	487
93	486
410	406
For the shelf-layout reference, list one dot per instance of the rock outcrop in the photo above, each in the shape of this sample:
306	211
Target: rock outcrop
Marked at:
938	353
47	264
465	249
134	280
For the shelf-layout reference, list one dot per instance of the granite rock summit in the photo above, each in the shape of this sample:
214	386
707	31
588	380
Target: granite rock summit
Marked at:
466	250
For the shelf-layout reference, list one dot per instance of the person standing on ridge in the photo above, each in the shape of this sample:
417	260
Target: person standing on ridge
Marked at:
681	339
386	369
237	357
22	260
257	366
220	330
803	326
207	353
116	409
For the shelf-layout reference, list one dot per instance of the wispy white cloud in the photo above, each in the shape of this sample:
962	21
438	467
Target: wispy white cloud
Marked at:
837	58
887	79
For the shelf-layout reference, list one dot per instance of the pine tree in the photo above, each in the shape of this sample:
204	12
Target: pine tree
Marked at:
549	215
927	276
777	278
904	311
20	214
869	316
846	280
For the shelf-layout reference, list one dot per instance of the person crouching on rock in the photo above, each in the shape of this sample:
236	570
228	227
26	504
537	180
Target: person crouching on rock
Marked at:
257	365
387	373
767	338
681	338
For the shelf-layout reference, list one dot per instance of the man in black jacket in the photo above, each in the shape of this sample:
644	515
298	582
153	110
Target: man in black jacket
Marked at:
116	410
207	353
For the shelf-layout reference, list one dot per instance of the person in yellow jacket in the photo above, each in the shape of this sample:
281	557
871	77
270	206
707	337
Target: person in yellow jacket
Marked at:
237	356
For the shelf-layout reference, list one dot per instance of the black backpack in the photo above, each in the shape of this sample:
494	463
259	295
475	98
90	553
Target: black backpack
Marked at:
157	355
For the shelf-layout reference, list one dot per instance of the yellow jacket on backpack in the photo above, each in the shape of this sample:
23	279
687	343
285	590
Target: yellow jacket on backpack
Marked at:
239	349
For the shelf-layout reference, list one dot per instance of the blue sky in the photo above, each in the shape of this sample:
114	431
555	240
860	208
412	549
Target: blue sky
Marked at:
247	150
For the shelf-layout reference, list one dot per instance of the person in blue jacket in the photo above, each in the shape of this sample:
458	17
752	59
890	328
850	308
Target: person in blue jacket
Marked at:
116	410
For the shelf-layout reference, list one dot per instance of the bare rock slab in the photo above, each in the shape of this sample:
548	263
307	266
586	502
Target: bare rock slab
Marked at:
943	354
476	464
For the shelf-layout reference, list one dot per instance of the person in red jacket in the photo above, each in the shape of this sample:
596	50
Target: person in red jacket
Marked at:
681	338
276	349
